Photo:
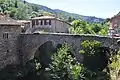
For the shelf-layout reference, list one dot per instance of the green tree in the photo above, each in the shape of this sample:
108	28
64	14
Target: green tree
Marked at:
64	66
81	27
114	65
70	19
103	32
96	27
22	12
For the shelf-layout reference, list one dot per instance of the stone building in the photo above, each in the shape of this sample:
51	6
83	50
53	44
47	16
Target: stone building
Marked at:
25	24
9	32
114	29
48	24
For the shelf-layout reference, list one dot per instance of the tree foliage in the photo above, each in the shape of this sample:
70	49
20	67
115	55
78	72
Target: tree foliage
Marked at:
114	65
91	47
15	8
64	66
70	19
81	27
18	9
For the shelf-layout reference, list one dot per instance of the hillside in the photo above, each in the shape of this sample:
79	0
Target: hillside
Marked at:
90	19
23	10
65	15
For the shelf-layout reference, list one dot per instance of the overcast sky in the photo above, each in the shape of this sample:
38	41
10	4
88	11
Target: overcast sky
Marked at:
98	8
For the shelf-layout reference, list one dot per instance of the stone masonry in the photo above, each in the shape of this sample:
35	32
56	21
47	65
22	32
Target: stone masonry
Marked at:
29	43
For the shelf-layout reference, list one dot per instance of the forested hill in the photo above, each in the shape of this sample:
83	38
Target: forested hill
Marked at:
19	9
65	15
90	19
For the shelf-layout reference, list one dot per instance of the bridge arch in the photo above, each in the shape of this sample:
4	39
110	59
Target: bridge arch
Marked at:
31	43
44	52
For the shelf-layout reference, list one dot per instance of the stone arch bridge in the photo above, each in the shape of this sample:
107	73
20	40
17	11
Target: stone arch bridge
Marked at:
30	43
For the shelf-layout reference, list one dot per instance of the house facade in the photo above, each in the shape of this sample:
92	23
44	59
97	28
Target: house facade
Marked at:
48	24
114	29
9	32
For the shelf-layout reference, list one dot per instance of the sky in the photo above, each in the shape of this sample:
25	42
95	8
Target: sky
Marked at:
97	8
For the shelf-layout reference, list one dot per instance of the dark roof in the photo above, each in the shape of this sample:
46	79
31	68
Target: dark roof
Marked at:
5	20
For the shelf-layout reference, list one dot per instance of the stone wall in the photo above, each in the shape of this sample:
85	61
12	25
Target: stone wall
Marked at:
61	27
31	42
9	45
57	26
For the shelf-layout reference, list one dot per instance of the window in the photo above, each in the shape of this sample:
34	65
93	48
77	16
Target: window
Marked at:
5	36
33	23
37	23
41	22
47	22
